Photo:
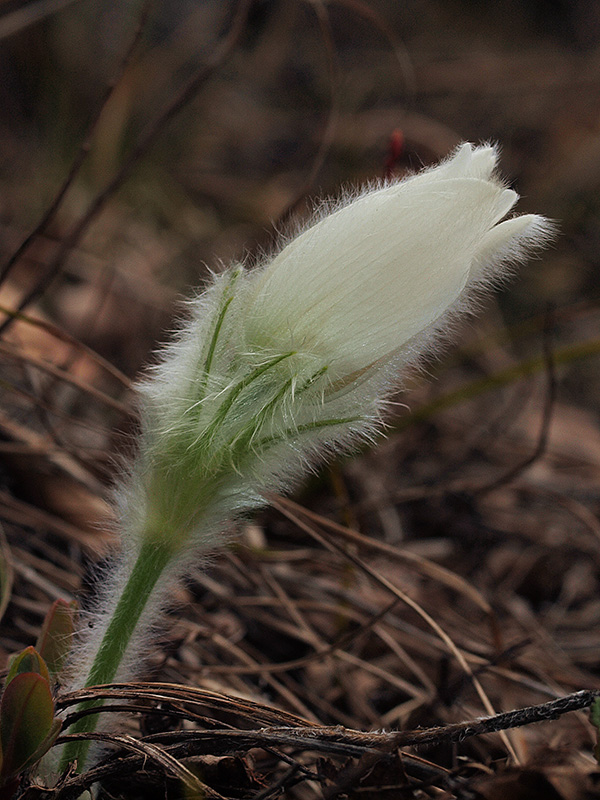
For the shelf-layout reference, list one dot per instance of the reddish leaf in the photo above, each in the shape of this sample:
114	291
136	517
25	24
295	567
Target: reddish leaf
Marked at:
26	721
54	641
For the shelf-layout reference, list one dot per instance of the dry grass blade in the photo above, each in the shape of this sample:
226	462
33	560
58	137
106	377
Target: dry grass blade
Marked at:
157	756
16	353
62	336
445	576
58	457
43	8
336	647
25	514
189	695
181	100
327	541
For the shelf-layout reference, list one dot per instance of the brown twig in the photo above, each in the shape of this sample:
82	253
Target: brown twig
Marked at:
458	732
13	352
297	663
549	401
331	121
507	720
84	149
165	749
361	740
226	46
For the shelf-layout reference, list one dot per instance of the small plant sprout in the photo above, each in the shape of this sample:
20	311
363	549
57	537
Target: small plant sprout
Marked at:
279	367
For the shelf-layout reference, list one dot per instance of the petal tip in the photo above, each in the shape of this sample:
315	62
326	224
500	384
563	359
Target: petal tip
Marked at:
507	200
471	161
483	161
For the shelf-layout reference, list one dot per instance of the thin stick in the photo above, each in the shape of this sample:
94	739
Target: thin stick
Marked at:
329	542
272	719
147	139
498	722
542	441
331	122
83	151
332	740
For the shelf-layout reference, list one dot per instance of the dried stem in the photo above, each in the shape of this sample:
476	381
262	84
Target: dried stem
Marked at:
84	149
145	142
323	739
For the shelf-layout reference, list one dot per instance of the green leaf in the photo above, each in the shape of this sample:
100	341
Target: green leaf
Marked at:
26	722
44	745
595	714
28	660
54	641
595	720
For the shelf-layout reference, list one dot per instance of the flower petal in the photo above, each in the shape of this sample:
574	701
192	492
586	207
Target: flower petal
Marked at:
511	240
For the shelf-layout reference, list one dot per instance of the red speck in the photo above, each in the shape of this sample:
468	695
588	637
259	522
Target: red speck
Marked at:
395	150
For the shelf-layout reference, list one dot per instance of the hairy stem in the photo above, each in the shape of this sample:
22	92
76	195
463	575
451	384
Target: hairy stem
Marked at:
149	566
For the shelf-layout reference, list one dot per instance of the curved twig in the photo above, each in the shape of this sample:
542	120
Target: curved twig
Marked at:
146	140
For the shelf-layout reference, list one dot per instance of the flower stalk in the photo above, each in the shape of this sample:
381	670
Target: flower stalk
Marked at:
152	560
283	365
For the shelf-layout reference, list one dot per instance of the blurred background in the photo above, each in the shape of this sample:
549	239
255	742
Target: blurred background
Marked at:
311	97
184	135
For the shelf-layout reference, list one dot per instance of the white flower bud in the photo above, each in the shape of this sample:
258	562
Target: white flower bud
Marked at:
363	281
302	352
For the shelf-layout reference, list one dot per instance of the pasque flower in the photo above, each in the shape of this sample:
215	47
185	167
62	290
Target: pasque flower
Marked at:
363	281
282	364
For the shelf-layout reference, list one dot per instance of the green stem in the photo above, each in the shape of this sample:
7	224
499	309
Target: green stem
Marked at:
149	566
